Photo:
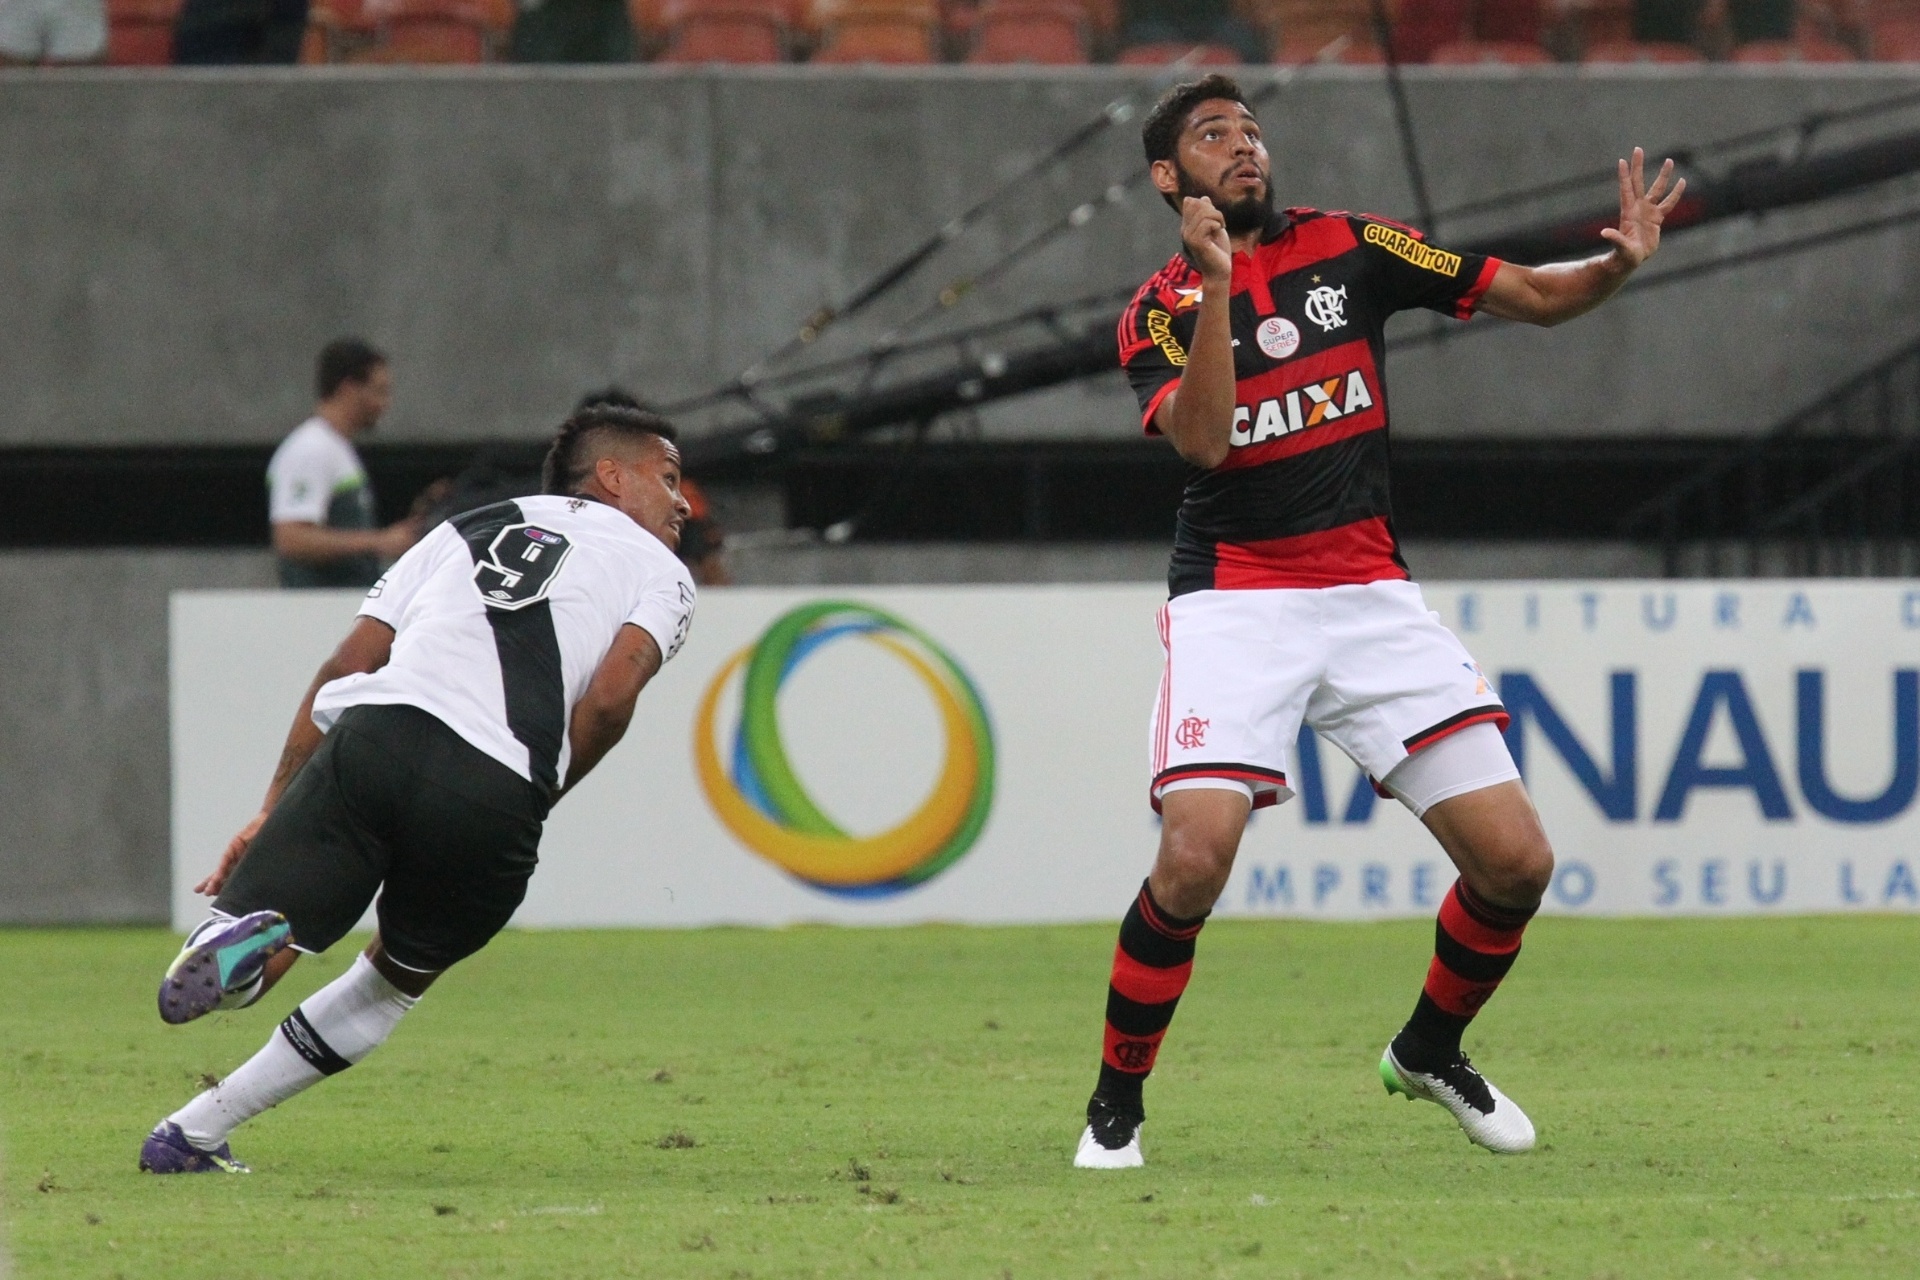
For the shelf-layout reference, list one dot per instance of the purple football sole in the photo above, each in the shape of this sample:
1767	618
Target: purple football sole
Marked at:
192	987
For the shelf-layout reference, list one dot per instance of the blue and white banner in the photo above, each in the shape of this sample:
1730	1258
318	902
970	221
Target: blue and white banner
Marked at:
980	754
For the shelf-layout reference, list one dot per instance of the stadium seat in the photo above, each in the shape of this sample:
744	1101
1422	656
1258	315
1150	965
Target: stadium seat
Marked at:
438	35
736	31
892	32
1603	22
1895	40
337	31
140	32
1508	21
1040	32
1301	29
1509	53
1806	49
1422	26
1160	54
1358	51
1619	52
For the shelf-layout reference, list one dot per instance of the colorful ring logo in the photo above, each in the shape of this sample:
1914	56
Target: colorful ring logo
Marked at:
761	801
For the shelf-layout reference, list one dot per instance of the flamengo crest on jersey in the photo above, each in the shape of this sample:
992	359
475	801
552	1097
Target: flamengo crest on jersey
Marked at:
502	615
1302	499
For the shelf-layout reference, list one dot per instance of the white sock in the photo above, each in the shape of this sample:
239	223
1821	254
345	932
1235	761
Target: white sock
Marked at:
333	1028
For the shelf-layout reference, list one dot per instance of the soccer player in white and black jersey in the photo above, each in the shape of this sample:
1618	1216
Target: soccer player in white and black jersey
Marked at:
1259	352
492	667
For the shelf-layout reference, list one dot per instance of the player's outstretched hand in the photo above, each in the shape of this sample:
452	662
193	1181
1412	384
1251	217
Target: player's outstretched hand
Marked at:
1204	231
1642	209
236	850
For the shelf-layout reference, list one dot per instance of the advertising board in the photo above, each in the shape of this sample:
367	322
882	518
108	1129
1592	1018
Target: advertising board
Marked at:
980	754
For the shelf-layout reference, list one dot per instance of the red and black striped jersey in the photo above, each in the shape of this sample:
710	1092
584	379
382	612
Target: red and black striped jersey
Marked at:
1302	499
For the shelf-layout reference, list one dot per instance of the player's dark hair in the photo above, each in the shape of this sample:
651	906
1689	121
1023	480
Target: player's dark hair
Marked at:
1160	134
346	360
576	445
615	395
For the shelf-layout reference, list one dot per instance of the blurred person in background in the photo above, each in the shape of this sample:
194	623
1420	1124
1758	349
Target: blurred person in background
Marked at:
703	542
1196	21
1666	21
52	32
229	32
572	31
1750	20
318	498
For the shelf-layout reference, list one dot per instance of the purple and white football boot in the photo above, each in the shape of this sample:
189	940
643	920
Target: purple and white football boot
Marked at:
221	959
167	1150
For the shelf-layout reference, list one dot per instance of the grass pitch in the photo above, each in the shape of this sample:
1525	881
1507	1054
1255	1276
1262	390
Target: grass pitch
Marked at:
1715	1098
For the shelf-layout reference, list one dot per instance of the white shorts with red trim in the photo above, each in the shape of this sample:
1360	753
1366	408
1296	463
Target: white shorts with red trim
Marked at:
1369	667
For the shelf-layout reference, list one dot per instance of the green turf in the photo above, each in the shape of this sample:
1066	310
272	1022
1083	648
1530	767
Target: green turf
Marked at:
1724	1098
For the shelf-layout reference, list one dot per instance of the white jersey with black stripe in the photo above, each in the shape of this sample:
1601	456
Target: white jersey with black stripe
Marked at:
502	615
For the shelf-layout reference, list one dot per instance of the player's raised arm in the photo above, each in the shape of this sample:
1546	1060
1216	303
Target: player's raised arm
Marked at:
1557	293
1198	418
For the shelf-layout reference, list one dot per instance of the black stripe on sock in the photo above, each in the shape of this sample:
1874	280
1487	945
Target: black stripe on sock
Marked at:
523	634
1149	946
1474	966
1491	914
307	1043
1131	1018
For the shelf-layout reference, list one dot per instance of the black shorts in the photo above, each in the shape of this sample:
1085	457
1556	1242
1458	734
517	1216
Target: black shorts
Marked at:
395	802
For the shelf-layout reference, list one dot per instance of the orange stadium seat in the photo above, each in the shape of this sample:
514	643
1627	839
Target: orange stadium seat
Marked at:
1603	22
1895	40
1508	21
1164	52
893	32
1805	49
1356	52
1040	32
1619	52
1421	26
337	31
1300	29
737	31
1510	53
140	32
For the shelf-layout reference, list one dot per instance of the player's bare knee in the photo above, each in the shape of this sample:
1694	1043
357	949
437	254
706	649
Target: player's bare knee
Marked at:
1519	870
1195	861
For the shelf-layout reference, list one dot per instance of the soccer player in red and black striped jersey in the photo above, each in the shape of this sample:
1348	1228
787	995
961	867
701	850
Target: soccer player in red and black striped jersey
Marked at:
1259	352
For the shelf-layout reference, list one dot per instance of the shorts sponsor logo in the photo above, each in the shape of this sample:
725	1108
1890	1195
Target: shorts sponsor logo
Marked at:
1191	733
1402	245
759	797
1160	329
1278	336
1327	307
1304	407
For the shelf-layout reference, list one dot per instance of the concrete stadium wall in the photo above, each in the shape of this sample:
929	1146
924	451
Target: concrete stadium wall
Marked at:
179	244
84	808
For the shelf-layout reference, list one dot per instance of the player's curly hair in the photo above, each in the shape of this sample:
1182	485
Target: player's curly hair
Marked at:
577	444
1160	133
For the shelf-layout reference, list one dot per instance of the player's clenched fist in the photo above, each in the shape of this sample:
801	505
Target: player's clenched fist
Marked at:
1205	232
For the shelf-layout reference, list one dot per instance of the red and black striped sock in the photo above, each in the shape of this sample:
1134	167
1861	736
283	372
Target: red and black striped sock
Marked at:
1475	943
1151	965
